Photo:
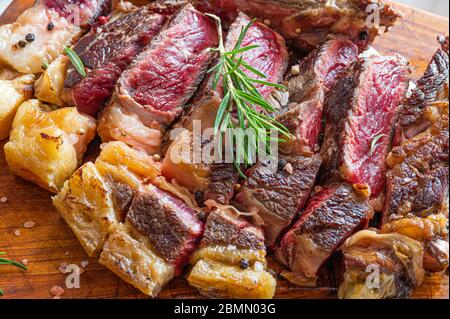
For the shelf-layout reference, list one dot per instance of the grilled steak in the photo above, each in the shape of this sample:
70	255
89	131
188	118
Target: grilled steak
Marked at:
221	183
431	87
330	217
396	258
165	76
230	262
87	10
173	229
152	93
360	114
309	23
106	52
275	199
417	183
307	89
224	228
270	57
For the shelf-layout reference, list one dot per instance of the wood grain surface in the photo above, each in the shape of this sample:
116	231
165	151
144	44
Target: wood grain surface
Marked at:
51	243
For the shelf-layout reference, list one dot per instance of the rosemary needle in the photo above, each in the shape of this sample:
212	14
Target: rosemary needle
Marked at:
76	61
11	263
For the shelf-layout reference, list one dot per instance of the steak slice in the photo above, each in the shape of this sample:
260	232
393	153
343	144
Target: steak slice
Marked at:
396	258
106	51
330	217
417	183
310	23
221	183
432	86
270	57
85	11
152	93
230	262
302	112
171	226
225	228
360	114
275	198
165	76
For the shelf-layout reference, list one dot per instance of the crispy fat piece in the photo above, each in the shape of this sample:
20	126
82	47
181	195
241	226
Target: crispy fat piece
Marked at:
86	204
130	256
396	258
14	91
45	145
98	195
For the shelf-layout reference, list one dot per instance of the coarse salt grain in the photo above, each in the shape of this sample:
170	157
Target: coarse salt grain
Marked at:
25	262
17	233
4	199
84	263
156	157
63	268
295	69
29	224
57	291
298	30
267	22
288	168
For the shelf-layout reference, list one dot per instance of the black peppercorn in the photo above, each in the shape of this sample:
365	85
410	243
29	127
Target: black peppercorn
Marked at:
281	164
30	37
363	35
22	44
244	263
199	198
50	26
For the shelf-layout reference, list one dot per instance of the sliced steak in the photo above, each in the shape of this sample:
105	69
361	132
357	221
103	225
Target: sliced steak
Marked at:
224	228
222	182
418	185
308	84
310	23
165	76
330	217
106	51
153	92
82	12
275	198
432	86
396	258
270	57
417	182
172	227
360	114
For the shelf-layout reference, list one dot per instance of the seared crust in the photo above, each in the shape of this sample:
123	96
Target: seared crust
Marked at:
170	226
275	198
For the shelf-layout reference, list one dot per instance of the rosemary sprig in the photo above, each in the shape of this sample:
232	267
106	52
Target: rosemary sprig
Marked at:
242	99
76	61
11	263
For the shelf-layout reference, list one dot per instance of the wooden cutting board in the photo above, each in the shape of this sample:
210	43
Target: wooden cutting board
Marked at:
51	242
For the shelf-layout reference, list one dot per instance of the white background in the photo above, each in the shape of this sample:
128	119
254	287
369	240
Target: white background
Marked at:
440	7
